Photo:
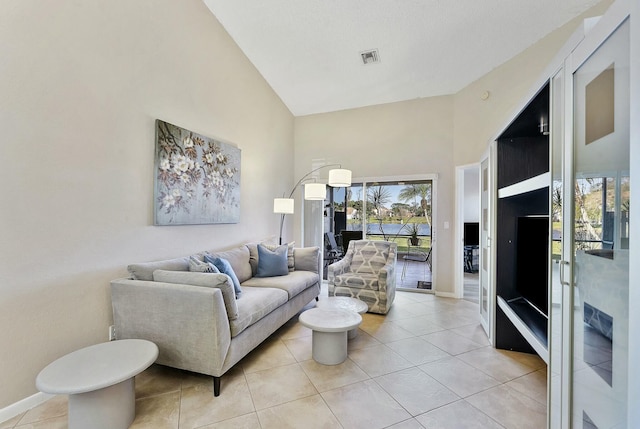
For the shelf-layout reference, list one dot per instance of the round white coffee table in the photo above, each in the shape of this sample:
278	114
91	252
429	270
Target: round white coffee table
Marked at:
99	380
344	303
329	337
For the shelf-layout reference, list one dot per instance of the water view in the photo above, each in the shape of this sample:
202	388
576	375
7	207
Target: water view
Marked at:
392	229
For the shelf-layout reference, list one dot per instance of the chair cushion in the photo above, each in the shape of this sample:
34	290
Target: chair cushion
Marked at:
357	280
369	257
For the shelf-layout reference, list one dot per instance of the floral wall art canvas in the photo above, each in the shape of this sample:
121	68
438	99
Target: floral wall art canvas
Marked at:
197	179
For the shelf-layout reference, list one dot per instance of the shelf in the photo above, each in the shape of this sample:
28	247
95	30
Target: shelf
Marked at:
531	324
538	182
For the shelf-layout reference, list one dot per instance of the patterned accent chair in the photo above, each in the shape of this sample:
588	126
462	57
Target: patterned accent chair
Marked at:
367	272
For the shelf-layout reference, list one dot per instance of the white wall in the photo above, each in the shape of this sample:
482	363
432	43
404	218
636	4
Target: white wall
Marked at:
81	84
430	135
478	121
407	138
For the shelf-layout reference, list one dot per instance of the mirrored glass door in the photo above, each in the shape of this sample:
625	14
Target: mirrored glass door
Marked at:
600	236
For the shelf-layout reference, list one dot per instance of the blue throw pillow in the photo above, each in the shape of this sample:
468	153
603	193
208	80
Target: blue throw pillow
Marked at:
272	262
225	268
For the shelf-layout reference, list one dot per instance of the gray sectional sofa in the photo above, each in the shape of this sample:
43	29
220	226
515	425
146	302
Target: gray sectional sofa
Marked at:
194	317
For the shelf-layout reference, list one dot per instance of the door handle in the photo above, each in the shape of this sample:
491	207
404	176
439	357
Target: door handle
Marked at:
562	265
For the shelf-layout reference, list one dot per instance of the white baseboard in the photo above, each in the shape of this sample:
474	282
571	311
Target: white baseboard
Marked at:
23	405
446	294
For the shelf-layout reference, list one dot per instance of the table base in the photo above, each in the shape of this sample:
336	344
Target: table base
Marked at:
113	407
329	348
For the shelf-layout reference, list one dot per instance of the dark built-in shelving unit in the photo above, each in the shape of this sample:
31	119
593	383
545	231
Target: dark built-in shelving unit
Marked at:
522	231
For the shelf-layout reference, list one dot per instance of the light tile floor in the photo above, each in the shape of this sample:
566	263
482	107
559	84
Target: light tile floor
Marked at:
471	287
427	364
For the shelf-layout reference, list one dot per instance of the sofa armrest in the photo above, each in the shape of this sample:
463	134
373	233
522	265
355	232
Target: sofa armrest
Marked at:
189	324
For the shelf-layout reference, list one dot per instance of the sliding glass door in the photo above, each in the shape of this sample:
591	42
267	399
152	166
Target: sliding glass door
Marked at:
392	210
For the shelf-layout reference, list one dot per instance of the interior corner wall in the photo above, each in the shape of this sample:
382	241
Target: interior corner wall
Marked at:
431	135
81	85
476	120
397	139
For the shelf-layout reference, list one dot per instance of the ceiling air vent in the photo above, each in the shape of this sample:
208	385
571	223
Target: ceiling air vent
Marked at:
370	57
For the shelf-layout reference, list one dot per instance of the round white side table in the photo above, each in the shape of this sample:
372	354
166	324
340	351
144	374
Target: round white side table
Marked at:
329	337
344	303
99	380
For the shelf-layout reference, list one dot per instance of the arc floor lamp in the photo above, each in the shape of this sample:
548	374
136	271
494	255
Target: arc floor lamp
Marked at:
338	178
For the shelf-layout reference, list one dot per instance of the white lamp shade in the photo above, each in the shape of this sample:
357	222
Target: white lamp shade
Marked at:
283	205
315	191
339	178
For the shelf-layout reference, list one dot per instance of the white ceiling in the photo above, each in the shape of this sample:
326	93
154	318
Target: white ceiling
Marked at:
309	50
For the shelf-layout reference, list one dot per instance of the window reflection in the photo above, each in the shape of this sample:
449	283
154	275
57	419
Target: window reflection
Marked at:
601	223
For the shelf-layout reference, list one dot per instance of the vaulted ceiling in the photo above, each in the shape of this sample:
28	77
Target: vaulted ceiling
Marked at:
310	51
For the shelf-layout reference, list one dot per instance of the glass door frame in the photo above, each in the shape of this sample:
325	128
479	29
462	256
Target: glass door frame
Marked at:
562	139
433	178
487	251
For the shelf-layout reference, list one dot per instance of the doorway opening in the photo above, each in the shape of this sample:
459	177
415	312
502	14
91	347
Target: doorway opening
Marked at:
468	225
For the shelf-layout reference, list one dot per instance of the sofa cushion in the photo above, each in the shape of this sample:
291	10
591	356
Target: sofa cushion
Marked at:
213	280
272	263
307	259
293	283
225	268
253	254
144	271
239	259
290	247
198	266
254	305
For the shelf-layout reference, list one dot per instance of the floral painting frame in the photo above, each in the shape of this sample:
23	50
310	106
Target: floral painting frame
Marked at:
197	178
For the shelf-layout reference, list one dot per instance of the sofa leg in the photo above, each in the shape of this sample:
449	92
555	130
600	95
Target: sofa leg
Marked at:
216	386
317	299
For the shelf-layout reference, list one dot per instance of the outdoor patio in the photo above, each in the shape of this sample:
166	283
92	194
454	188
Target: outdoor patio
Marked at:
417	274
